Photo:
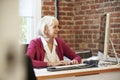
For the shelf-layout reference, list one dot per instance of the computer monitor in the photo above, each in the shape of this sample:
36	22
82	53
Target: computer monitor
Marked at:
104	35
105	41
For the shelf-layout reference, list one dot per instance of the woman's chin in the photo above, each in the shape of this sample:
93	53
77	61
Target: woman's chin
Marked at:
55	36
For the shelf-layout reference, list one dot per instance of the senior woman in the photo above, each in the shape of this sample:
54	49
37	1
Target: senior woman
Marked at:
48	49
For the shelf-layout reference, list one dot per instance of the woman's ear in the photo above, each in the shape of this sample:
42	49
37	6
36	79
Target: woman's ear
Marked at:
46	30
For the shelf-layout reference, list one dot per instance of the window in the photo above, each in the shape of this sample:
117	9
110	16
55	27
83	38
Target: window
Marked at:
30	12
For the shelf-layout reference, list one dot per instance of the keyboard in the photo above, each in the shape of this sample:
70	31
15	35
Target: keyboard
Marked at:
69	67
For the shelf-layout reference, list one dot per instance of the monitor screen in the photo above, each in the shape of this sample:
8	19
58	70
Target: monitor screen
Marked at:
102	33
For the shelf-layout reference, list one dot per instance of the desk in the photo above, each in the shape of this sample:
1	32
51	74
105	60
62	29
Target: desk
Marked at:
43	74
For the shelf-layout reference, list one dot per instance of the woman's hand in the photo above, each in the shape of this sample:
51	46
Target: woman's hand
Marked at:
60	63
73	62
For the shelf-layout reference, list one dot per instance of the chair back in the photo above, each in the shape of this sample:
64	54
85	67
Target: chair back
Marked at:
24	48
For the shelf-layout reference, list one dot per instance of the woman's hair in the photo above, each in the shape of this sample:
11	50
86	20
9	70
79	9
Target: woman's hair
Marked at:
41	26
46	21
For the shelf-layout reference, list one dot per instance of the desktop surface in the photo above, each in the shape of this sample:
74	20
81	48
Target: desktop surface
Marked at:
43	74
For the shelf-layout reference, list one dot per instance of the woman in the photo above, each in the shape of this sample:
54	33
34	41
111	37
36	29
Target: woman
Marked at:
49	49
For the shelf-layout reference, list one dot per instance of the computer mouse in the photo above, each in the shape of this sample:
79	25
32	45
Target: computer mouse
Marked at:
91	62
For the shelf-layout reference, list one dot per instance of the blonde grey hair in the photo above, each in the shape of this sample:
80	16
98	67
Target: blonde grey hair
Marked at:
41	26
45	21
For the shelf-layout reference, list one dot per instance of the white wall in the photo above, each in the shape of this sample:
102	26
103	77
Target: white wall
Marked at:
11	66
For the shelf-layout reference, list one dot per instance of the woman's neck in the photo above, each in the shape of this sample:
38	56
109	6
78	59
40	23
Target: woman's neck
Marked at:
49	40
50	43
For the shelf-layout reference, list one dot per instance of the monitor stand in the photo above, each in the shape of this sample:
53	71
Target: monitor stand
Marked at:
115	59
115	53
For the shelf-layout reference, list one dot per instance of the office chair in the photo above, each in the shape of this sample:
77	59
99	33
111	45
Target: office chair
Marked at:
30	71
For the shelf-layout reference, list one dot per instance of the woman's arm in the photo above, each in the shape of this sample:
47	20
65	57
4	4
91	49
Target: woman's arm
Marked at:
36	54
68	52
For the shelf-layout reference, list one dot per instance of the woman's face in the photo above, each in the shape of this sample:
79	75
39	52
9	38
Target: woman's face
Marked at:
53	29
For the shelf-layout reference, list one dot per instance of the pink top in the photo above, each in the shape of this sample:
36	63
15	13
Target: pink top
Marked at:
37	53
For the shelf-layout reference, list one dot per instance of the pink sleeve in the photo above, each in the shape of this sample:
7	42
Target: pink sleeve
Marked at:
32	51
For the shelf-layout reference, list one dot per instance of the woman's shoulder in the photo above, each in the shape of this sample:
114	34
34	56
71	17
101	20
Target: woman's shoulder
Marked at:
35	41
